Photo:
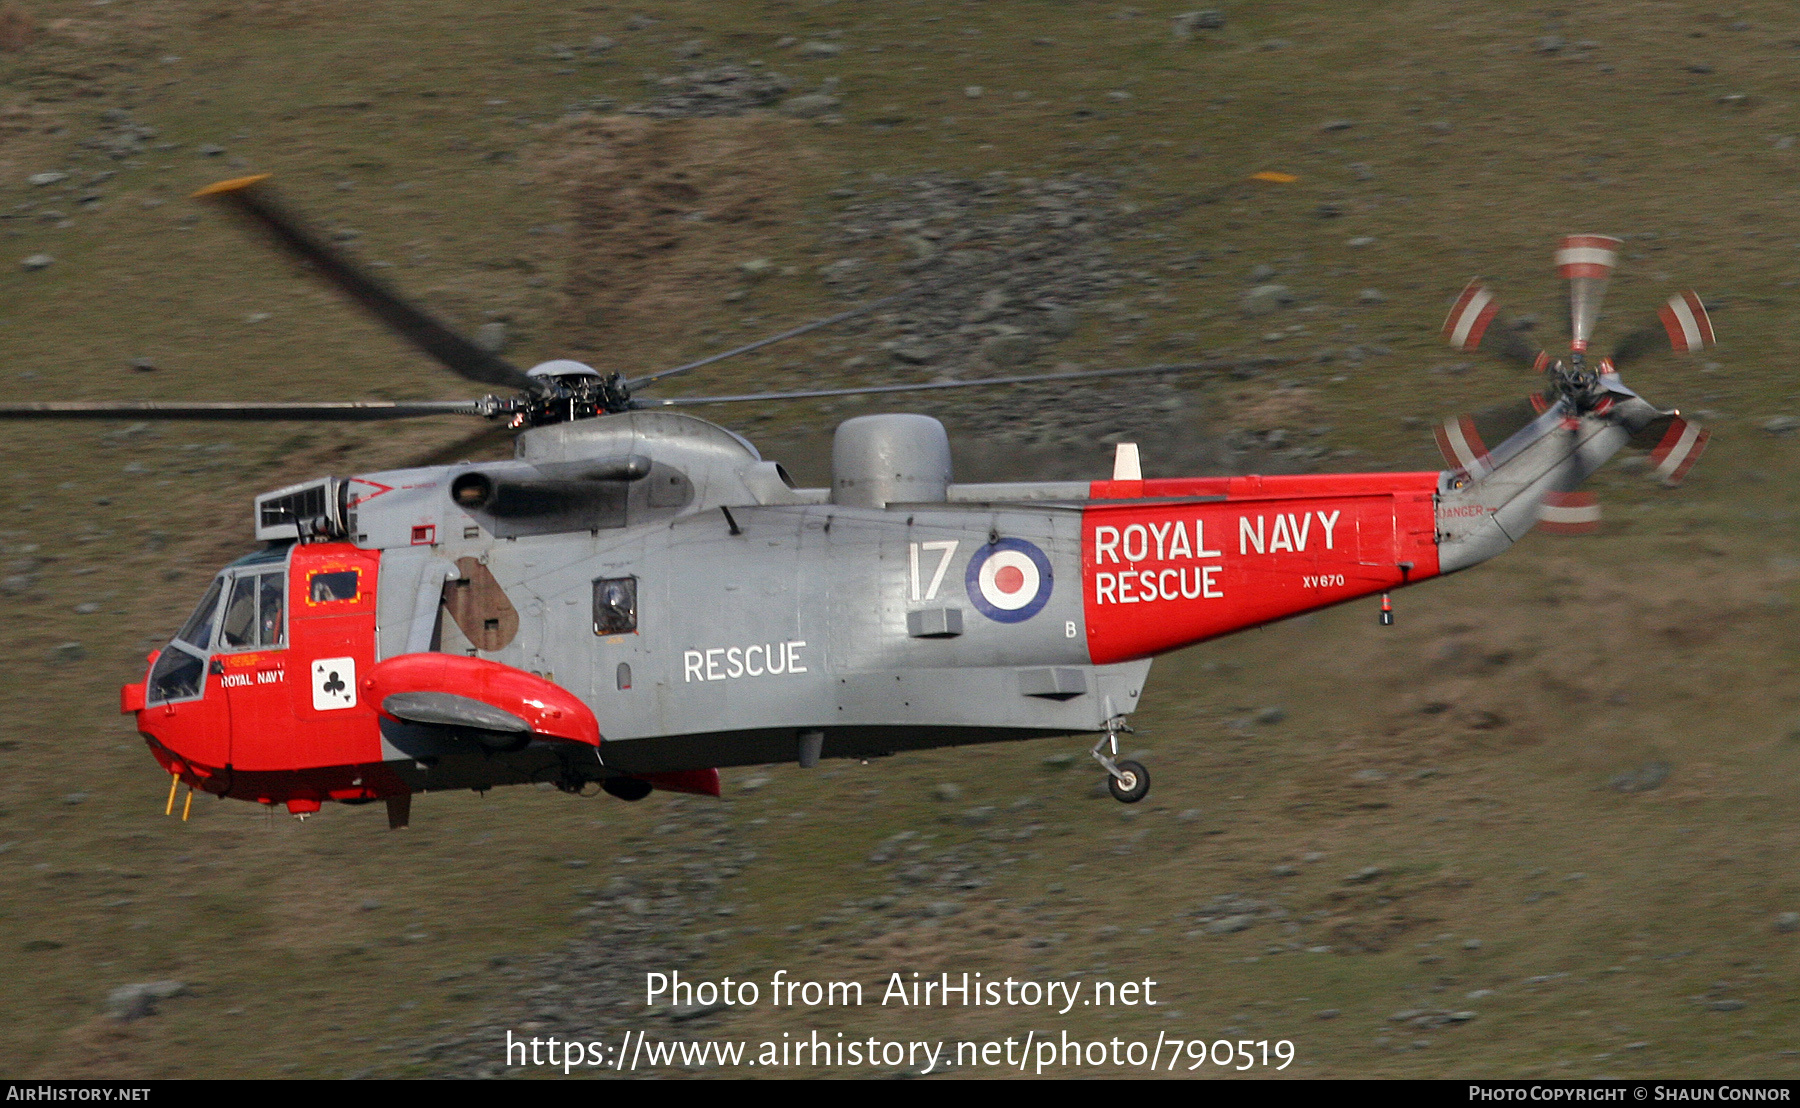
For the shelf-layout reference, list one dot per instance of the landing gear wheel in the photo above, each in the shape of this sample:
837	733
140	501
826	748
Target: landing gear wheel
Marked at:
1132	783
627	788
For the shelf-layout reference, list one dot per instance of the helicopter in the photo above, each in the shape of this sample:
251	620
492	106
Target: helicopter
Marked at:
638	599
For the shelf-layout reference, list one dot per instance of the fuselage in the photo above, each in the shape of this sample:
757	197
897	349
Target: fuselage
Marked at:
698	612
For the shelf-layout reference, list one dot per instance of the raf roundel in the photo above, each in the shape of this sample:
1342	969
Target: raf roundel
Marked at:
1009	580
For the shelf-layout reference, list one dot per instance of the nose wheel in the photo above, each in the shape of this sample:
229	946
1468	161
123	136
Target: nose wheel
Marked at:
1128	781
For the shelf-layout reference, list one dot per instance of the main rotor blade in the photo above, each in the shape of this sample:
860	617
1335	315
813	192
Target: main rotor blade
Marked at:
851	313
351	412
256	202
1173	367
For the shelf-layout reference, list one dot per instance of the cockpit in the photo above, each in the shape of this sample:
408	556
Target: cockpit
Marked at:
245	608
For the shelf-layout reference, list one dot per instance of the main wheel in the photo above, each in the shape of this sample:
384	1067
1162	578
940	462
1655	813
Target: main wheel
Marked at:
1133	784
627	788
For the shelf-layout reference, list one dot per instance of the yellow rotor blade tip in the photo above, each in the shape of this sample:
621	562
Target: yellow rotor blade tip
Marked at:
232	185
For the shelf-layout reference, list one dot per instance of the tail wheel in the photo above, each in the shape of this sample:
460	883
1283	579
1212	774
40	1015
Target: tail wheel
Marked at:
627	788
1131	784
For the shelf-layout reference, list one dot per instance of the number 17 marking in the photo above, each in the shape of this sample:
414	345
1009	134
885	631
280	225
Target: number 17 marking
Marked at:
948	549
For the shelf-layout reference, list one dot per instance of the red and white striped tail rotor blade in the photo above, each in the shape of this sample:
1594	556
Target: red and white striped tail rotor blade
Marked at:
1681	446
1684	318
1587	262
1461	445
1470	316
1569	513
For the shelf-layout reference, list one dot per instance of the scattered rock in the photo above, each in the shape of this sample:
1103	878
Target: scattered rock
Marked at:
1058	761
1364	875
50	178
132	1002
1283	871
1230	924
600	44
820	50
1728	1005
1371	296
37	261
1271	715
976	817
682	1013
942	909
1787	922
810	106
209	150
724	90
1337	125
1009	351
1643	779
143	365
1471	944
1549	44
946	792
1266	299
68	652
1184	25
1780	425
751	784
491	336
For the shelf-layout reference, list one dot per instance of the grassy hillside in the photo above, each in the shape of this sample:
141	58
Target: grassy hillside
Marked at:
1557	795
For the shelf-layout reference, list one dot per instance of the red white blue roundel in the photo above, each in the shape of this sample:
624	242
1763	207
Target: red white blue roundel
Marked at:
1009	580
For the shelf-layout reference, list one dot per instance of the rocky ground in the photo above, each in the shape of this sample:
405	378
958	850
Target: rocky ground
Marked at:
1540	827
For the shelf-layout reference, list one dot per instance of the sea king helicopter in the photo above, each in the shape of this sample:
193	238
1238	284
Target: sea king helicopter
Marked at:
638	598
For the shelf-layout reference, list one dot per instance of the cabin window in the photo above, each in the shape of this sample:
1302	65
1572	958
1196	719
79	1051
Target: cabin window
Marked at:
197	631
322	588
615	606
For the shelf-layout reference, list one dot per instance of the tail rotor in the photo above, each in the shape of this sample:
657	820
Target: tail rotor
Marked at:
1583	388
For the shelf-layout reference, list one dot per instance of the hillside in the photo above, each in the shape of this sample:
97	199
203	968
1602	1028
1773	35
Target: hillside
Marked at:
1542	826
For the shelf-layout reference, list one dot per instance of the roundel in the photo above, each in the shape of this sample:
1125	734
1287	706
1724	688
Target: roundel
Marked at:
1009	580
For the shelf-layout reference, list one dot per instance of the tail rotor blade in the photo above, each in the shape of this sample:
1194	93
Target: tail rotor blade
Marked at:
1675	444
1569	513
1476	323
1681	324
1466	440
1688	325
1587	262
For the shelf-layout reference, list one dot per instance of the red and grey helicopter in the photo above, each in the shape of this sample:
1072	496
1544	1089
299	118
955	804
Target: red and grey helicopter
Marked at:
638	598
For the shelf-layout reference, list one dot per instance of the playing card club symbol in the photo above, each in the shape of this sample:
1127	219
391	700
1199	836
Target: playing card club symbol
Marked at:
333	682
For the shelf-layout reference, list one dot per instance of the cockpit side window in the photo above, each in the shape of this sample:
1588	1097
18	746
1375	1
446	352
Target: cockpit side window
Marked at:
254	613
238	629
270	608
197	631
